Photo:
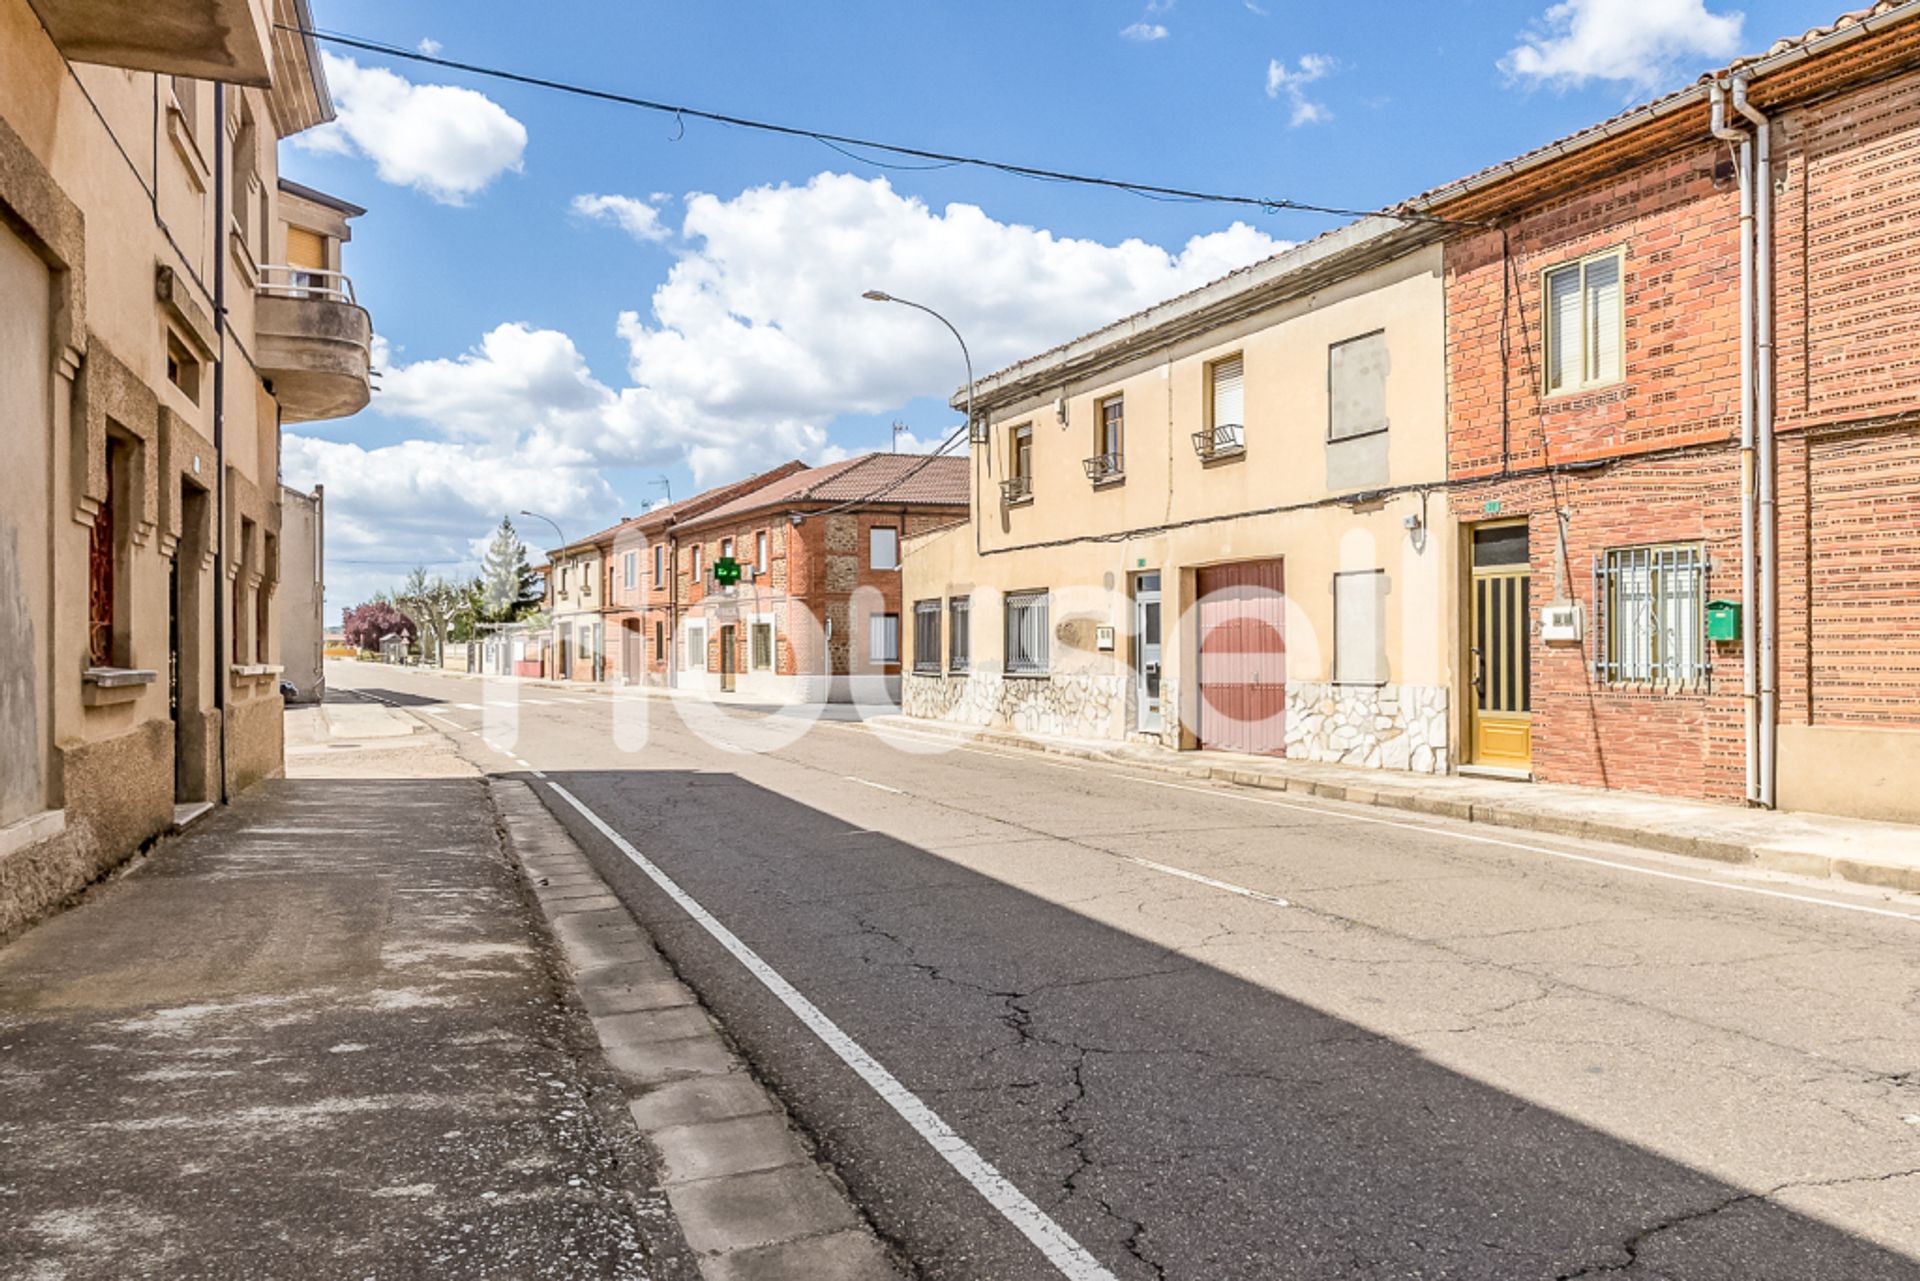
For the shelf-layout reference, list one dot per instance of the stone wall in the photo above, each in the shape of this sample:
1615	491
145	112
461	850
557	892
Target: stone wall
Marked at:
1065	705
1401	727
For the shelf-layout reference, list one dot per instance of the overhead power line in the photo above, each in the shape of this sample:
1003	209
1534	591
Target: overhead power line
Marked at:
838	141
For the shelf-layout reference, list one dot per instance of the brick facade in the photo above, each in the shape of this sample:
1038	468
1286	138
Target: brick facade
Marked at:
1654	458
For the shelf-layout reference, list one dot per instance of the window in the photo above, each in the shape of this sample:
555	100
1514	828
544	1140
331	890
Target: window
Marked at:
1583	323
1652	607
1027	633
563	580
762	647
183	370
1359	630
1226	409
760	561
726	549
1357	387
926	636
659	564
883	547
263	596
694	656
959	633
1019	482
694	559
659	641
883	638
102	552
632	570
1109	445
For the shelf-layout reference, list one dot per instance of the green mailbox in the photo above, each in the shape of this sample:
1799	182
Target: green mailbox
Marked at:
1723	620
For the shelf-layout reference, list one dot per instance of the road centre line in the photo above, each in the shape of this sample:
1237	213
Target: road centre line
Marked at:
1185	875
867	782
1068	1256
1232	793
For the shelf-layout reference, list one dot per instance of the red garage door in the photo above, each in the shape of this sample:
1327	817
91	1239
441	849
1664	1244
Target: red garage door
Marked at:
1243	657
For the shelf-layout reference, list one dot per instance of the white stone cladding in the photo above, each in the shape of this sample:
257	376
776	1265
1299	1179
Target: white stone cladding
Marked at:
1400	727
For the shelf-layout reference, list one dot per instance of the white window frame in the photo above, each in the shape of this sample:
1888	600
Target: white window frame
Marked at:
1590	378
959	633
873	557
879	634
632	569
1019	609
659	564
1652	624
762	556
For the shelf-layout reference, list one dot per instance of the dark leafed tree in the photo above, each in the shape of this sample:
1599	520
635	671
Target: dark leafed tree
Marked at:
366	625
508	585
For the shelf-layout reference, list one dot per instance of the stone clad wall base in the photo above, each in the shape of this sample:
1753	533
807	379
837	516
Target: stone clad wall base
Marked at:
119	796
256	731
1065	705
1402	727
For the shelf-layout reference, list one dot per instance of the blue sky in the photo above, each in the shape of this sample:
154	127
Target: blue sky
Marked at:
573	299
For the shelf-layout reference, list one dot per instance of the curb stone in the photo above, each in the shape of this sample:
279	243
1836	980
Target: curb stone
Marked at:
1384	794
752	1202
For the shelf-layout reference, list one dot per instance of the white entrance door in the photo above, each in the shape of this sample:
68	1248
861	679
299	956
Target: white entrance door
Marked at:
1146	651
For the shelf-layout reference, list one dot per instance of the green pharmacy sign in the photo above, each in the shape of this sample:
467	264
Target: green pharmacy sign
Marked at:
726	571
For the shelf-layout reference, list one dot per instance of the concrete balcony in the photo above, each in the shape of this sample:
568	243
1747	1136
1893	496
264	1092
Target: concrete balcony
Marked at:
228	40
313	343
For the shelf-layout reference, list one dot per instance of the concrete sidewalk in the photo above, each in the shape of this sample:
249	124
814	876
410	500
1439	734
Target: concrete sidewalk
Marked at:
324	1033
1883	855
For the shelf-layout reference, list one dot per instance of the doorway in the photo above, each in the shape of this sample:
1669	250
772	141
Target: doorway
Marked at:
1148	716
729	659
1243	657
1500	661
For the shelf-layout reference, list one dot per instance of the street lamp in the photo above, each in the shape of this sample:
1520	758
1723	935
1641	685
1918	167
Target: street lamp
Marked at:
877	295
551	521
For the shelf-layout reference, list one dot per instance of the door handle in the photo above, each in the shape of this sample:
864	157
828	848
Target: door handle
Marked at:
1479	668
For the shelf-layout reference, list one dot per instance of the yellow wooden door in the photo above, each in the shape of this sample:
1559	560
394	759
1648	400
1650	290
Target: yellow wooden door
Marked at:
1502	666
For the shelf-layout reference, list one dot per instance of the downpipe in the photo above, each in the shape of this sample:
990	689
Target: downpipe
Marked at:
1762	182
1749	621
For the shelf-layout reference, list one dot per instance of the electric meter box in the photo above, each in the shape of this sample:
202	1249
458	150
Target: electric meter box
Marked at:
1560	624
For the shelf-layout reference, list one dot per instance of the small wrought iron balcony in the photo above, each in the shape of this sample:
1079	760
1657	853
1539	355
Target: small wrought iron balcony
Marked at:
1103	467
1222	441
1016	489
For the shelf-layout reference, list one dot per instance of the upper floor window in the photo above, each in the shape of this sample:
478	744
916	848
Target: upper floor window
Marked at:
695	561
1584	322
632	571
1019	481
1109	443
726	549
883	547
1225	432
760	562
659	564
883	638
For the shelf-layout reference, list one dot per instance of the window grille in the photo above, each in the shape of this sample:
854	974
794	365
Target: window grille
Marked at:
762	646
1027	633
959	633
100	573
1650	607
926	637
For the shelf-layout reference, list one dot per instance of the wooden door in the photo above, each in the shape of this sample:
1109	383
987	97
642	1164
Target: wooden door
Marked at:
729	659
1501	661
1243	657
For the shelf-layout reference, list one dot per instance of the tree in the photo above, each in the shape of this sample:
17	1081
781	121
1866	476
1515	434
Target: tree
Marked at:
509	587
366	625
432	601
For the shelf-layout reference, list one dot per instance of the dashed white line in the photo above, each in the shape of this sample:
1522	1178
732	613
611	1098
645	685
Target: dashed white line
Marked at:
867	782
1067	1255
1185	875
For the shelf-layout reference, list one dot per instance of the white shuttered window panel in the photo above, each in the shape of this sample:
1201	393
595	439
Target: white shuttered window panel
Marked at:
1585	345
1563	329
1603	320
1229	392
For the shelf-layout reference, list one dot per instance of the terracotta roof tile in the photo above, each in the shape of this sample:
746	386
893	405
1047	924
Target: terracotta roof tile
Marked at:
888	479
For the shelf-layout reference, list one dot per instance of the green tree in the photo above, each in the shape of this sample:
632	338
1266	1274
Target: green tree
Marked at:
509	587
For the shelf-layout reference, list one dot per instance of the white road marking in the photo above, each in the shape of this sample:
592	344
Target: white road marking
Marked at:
1067	1255
1235	794
867	782
469	707
1183	874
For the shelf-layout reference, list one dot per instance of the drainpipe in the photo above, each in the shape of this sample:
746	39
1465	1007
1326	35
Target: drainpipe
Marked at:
1762	182
220	589
1749	651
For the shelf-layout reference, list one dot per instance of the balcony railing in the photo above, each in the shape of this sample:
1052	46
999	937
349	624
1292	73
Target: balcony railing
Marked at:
1016	489
1102	467
278	280
1222	441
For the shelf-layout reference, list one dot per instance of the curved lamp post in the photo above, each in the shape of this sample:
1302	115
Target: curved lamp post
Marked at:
876	295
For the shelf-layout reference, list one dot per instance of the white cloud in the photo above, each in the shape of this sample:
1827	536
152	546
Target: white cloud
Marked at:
1144	32
429	46
635	217
443	140
1293	81
746	354
1642	43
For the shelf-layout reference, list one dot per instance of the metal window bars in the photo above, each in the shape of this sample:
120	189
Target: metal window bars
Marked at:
1650	616
1104	467
1221	441
1016	489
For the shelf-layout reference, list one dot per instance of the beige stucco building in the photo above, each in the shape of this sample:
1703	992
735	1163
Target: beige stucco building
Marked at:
303	592
153	338
1213	524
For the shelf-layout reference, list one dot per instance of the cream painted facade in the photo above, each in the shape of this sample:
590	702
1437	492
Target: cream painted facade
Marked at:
1368	508
140	551
576	593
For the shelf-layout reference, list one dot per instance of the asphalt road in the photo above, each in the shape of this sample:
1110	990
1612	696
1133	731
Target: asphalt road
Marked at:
1202	1032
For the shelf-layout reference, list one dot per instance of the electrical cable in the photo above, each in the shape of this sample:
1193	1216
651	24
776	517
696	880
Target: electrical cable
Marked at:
836	140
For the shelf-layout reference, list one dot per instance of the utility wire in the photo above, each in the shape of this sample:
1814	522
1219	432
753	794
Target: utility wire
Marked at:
838	141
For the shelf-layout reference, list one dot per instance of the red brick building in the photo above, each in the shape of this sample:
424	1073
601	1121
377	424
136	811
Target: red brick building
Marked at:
1597	314
818	600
